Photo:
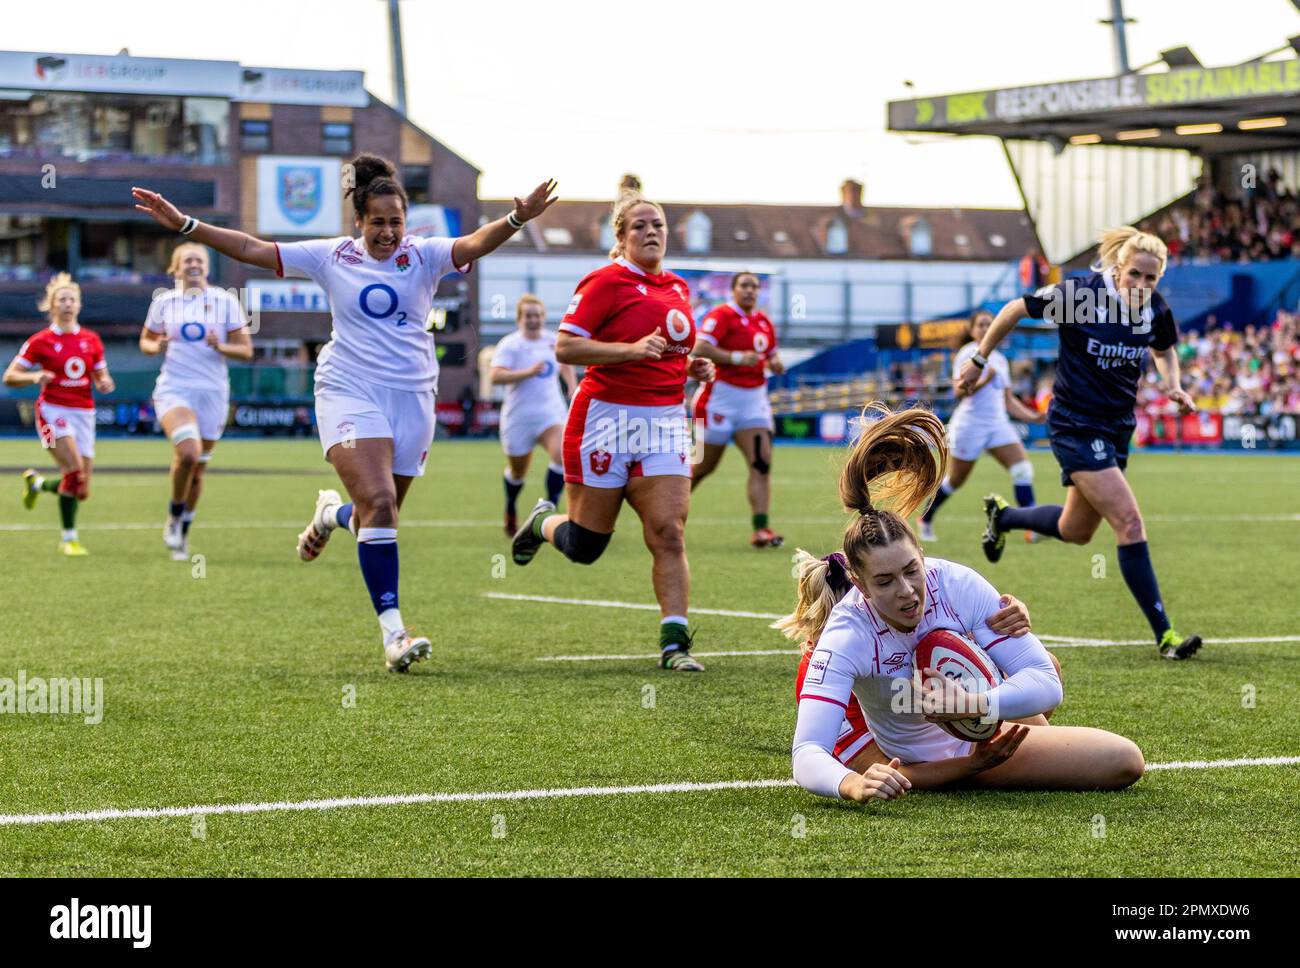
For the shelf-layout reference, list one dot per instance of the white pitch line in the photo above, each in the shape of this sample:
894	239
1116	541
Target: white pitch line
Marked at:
603	603
649	658
408	799
1056	641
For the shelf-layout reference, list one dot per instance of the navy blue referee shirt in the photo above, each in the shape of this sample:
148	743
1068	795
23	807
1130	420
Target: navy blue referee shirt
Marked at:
1103	344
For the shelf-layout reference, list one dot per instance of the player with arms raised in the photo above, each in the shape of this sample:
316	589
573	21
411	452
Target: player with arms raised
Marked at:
626	438
376	378
534	410
65	360
982	422
198	327
1107	322
865	648
741	341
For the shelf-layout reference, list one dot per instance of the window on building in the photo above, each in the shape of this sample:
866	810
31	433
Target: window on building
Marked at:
254	135
920	241
416	181
699	232
837	237
336	138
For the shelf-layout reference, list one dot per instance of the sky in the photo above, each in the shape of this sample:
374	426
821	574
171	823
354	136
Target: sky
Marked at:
705	100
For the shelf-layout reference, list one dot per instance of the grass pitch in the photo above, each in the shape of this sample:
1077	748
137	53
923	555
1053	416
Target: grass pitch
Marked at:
230	679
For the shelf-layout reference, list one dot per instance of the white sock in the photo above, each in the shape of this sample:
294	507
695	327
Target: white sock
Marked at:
677	619
511	480
69	534
391	622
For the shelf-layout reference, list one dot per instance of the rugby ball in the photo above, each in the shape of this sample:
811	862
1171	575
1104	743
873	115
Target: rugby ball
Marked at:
957	657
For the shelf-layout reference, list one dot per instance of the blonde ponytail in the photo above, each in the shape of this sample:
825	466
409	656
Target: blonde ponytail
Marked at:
1116	246
818	593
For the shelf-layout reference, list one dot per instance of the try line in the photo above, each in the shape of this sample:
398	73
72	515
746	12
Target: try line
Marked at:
407	799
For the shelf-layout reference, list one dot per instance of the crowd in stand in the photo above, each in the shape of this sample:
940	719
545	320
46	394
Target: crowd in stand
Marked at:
1254	372
1259	223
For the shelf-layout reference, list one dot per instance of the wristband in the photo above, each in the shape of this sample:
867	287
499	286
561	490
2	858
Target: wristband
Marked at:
189	225
515	222
736	357
979	360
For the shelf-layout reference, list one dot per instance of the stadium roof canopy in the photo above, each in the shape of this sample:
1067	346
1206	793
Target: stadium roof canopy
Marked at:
1246	107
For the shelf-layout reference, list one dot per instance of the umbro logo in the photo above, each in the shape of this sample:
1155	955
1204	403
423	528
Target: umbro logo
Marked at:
678	289
642	289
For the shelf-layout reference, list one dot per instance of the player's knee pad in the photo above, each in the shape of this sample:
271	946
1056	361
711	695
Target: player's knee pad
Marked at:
186	431
1021	472
760	462
580	544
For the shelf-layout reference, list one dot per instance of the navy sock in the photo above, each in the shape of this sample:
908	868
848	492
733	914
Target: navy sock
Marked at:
1043	518
377	552
941	495
186	520
176	508
554	485
1025	495
344	515
512	492
1135	566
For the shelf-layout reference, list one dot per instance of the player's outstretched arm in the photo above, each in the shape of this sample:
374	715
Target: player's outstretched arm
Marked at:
239	246
1005	321
487	238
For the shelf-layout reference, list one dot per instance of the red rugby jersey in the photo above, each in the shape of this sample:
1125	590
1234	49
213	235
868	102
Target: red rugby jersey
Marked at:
728	328
620	303
72	357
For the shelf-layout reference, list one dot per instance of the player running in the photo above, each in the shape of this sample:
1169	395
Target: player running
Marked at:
64	360
198	327
1106	322
626	438
865	644
982	421
740	339
534	410
376	378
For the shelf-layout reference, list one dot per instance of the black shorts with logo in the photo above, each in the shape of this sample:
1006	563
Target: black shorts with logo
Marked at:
1085	443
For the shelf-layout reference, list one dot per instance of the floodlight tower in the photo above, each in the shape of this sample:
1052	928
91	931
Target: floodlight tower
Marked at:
399	61
1117	21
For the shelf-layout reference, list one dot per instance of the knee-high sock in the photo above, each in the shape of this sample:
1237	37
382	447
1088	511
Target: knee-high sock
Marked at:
513	488
554	483
1025	495
1043	518
941	495
50	485
377	552
1135	566
68	514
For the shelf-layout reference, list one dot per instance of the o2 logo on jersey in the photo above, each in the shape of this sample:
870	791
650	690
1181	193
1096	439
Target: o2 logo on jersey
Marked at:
389	294
678	325
547	370
192	332
74	368
761	343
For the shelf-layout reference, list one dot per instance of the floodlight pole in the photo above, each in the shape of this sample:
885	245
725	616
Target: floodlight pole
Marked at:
1117	21
399	61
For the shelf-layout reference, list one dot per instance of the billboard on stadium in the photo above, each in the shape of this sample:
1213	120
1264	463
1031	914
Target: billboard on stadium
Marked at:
122	74
1128	92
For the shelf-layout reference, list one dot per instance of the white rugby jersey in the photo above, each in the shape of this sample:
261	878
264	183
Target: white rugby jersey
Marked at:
379	309
537	394
185	317
860	654
988	404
